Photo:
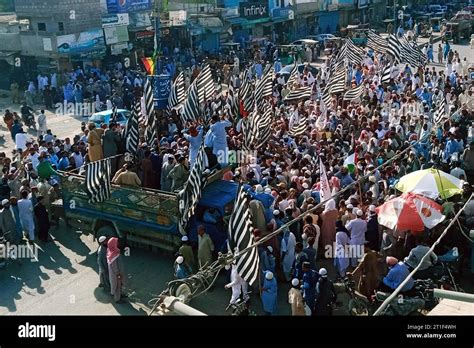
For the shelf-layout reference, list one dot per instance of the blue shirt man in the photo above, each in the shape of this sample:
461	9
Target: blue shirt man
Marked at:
310	279
277	66
397	275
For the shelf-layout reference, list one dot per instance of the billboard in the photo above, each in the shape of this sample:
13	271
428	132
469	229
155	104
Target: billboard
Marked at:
126	6
115	19
114	35
82	42
254	9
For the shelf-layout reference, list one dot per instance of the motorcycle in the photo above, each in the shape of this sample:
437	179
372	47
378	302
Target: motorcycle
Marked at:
360	305
241	307
28	120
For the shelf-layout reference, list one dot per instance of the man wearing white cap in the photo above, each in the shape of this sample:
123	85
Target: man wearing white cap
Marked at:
269	294
104	280
295	298
325	294
357	228
7	223
349	215
186	251
238	285
372	234
180	269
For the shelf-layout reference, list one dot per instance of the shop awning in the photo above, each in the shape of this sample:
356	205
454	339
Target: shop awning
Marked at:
210	22
236	21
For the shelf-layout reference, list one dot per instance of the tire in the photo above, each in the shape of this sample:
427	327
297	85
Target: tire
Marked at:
109	231
358	307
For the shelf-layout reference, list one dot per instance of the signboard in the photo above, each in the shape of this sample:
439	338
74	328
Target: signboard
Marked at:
125	6
178	18
115	19
161	90
118	48
254	9
286	12
116	34
47	44
82	42
147	34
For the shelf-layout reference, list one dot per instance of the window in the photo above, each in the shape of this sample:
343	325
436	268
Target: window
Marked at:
41	26
61	26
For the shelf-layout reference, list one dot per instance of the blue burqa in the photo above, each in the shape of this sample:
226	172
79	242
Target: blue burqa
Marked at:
269	296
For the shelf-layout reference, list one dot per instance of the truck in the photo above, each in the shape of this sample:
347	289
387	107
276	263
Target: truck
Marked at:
145	217
460	26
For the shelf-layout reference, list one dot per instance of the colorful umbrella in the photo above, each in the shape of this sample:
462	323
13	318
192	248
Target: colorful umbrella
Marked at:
431	182
410	212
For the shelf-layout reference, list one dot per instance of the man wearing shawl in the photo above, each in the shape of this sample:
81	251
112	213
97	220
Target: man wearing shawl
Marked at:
328	229
116	273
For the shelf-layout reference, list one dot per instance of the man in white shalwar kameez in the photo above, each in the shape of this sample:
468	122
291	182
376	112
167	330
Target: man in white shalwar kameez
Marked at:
288	244
25	208
238	285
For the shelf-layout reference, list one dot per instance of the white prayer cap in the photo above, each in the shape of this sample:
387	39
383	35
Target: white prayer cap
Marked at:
295	282
179	260
359	212
227	267
349	206
184	238
258	188
268	190
276	212
323	272
372	208
304	236
5	201
279	170
101	238
269	248
372	178
269	275
305	185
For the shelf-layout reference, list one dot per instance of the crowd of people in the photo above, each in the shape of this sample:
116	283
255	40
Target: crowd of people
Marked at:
283	180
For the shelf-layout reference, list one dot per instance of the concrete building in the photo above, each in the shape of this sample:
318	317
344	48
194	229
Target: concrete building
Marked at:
60	32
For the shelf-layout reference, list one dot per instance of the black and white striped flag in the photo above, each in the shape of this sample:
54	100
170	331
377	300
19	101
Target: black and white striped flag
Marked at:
151	131
337	83
98	186
394	48
189	196
191	109
376	42
131	130
177	94
386	73
354	93
264	128
113	118
233	101
300	128
440	113
263	88
250	130
205	84
246	92
294	75
241	238
300	93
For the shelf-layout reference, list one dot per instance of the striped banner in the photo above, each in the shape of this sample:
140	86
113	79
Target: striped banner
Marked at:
131	130
151	130
300	93
189	196
376	42
98	176
300	128
241	238
354	93
191	111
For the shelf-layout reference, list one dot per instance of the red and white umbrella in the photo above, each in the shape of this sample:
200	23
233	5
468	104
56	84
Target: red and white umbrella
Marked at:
410	212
